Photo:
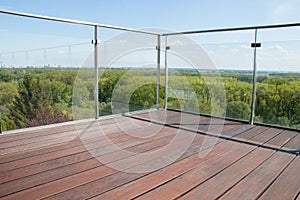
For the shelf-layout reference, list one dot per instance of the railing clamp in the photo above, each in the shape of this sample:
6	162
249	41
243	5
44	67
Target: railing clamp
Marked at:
94	41
255	45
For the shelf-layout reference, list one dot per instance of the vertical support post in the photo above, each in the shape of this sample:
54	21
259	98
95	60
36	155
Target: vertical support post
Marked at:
27	58
70	55
13	59
166	73
96	77
45	57
158	72
253	100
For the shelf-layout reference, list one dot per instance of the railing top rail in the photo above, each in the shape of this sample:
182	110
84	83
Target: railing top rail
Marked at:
86	23
233	29
71	21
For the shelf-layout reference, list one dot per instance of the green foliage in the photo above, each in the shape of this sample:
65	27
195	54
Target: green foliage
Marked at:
30	97
8	91
238	109
36	96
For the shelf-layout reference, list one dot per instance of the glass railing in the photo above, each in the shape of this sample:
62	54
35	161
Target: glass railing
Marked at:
278	77
269	67
53	72
39	63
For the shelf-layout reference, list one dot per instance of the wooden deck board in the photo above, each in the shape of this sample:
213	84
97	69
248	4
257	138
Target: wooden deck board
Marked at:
60	162
282	139
57	165
162	176
286	186
192	178
294	143
221	182
255	183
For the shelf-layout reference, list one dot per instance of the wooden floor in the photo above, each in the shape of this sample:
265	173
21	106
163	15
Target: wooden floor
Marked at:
79	161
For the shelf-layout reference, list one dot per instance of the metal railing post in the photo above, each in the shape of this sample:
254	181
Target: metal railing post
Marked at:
252	114
158	73
96	77
166	73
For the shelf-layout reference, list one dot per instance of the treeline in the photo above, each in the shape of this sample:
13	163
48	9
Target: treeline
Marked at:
33	97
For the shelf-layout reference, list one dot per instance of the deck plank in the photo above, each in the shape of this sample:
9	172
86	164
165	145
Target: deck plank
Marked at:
294	143
282	139
77	192
287	185
99	149
251	133
248	161
89	143
87	133
217	185
41	131
198	174
162	176
54	139
67	172
257	181
266	135
71	181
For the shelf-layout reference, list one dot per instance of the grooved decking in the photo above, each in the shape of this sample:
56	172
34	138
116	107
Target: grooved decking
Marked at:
233	161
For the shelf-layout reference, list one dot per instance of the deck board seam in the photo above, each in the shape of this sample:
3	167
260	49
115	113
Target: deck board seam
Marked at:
269	156
255	148
274	179
125	182
135	145
296	152
90	138
101	165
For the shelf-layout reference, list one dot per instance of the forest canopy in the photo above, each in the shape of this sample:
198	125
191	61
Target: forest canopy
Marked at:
36	96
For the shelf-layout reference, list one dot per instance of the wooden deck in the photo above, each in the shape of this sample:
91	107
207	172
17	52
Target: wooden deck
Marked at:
234	161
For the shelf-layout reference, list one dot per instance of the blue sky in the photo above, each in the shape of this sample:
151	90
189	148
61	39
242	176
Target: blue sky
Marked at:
170	14
23	34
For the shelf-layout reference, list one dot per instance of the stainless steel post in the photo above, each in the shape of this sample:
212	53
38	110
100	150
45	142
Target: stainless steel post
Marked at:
96	72
252	114
166	73
158	73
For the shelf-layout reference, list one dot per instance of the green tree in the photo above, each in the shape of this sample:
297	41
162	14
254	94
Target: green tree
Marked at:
31	97
238	110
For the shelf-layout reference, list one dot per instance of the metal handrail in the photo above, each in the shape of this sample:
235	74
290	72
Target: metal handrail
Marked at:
71	21
233	29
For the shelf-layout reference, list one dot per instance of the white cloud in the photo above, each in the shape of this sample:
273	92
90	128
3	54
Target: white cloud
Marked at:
281	49
287	10
245	46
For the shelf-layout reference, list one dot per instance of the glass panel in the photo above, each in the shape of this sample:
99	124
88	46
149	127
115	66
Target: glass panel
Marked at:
128	72
220	75
39	63
278	81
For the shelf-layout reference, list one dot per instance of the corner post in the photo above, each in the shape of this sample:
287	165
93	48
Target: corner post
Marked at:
158	72
253	99
166	72
96	76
